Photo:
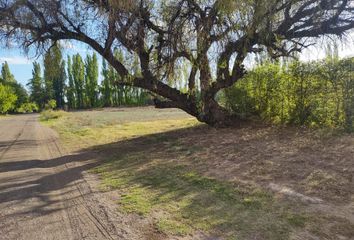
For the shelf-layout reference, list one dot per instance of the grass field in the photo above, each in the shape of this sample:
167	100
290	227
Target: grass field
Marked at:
90	128
190	180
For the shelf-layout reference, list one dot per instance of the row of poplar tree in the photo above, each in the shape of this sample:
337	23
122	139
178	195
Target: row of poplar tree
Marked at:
74	83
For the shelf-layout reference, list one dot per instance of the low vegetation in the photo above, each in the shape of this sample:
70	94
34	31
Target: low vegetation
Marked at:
50	114
89	128
187	178
13	96
319	93
7	98
185	201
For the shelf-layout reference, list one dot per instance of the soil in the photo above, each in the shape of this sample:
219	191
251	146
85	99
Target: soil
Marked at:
45	193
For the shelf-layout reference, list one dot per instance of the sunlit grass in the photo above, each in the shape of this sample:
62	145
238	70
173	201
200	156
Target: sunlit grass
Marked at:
189	201
149	171
86	131
48	115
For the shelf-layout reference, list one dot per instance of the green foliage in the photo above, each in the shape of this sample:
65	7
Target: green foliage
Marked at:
78	74
20	92
7	98
50	105
70	89
36	85
91	79
28	108
8	79
82	90
240	102
115	94
54	75
6	75
106	88
315	94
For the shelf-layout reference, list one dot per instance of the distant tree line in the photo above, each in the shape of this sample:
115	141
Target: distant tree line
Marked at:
13	96
75	83
318	93
72	84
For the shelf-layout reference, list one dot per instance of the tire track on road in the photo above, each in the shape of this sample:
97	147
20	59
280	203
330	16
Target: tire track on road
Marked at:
82	208
9	146
44	193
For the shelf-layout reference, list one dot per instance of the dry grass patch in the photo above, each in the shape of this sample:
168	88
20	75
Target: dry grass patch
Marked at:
186	177
86	130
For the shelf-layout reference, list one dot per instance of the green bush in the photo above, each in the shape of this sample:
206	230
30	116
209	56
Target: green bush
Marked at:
28	108
315	94
7	98
240	102
50	105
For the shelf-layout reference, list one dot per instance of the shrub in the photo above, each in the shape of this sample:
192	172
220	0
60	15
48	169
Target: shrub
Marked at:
28	108
51	114
51	104
315	94
7	98
240	102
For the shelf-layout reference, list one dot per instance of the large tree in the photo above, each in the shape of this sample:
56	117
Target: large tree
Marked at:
213	36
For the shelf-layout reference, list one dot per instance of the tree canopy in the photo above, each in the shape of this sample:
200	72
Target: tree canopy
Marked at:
213	36
6	75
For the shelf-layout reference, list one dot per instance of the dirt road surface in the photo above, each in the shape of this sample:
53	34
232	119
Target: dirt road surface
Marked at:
43	193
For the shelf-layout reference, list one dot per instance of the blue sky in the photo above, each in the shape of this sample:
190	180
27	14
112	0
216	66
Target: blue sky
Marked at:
21	66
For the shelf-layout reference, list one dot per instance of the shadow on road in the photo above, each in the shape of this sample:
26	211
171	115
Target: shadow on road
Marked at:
35	179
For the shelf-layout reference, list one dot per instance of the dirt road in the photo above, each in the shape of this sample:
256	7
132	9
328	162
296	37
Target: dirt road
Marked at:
43	193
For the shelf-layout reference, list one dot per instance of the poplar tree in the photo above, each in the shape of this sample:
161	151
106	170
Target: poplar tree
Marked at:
6	75
78	73
106	90
70	90
54	75
91	79
36	85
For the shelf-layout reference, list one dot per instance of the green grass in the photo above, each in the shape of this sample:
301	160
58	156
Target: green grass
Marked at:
93	128
48	115
297	220
156	176
190	201
173	227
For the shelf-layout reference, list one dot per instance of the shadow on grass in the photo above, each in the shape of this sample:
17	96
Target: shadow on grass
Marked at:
153	175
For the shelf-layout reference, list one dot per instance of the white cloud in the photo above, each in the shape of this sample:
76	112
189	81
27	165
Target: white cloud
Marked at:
67	45
17	60
70	46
